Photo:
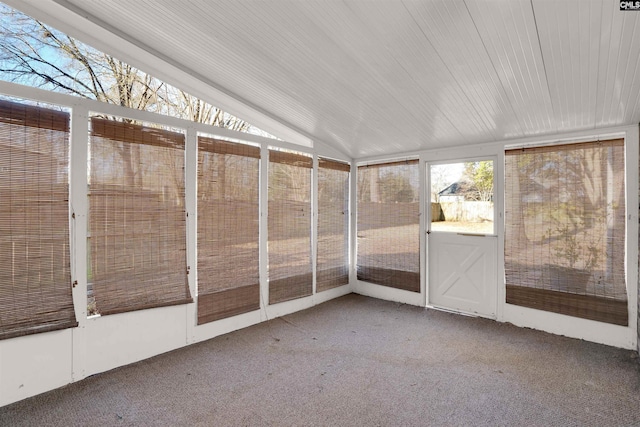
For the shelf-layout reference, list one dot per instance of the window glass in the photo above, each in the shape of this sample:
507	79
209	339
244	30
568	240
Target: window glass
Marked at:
462	197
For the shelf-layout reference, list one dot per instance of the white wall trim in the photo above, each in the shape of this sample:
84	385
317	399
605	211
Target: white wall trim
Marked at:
573	327
481	149
386	293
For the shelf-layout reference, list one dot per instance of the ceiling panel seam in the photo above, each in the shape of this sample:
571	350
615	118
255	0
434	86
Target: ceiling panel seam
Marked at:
480	99
544	65
466	96
595	107
523	89
377	112
516	62
600	99
399	101
493	65
635	69
398	129
612	107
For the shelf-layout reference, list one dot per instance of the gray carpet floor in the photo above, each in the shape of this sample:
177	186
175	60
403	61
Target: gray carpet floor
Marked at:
358	361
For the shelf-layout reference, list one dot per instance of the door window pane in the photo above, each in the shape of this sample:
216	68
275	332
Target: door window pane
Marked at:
462	197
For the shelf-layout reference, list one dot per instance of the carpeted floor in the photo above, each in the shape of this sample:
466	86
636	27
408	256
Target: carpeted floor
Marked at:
358	361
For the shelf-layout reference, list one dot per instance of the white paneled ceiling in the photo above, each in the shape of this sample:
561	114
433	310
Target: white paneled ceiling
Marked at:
382	77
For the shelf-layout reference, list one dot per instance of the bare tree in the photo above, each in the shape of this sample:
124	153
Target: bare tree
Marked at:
180	104
439	180
289	182
35	54
374	185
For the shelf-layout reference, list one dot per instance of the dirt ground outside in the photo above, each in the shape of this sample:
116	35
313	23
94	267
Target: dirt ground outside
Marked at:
395	248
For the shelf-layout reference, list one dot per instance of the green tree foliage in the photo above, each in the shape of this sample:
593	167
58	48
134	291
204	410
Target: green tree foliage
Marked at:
480	174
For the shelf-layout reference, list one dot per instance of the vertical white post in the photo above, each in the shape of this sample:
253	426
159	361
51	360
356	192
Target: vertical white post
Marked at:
314	223
499	227
264	236
353	203
425	219
631	169
347	221
79	208
191	209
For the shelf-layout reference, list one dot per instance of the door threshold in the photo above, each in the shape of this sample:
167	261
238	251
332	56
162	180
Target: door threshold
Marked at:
462	313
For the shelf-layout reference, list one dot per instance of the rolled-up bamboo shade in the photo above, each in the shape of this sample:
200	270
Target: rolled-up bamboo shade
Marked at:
565	229
388	225
334	165
291	159
289	222
228	257
332	268
35	278
137	217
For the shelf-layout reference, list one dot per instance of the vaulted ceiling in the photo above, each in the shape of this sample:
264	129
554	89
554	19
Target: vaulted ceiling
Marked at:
380	77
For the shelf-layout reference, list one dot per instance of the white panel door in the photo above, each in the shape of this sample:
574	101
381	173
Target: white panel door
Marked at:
462	272
462	244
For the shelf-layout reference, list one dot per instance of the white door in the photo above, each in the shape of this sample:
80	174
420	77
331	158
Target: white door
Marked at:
462	244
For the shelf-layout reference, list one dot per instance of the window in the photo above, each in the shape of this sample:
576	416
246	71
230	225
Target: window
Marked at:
333	225
228	258
136	217
35	278
462	197
388	225
565	229
289	218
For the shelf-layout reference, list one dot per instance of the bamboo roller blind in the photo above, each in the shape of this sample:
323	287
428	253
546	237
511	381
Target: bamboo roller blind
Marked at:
565	229
332	268
228	257
136	217
289	223
388	225
35	278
